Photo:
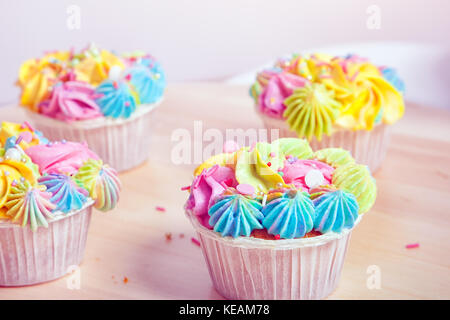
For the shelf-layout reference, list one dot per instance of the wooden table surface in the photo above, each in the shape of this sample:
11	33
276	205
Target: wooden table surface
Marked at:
413	206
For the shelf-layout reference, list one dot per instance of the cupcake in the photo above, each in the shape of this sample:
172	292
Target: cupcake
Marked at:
275	220
48	190
345	102
97	97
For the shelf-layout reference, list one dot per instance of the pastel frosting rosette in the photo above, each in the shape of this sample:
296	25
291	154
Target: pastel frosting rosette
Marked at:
42	180
277	207
332	101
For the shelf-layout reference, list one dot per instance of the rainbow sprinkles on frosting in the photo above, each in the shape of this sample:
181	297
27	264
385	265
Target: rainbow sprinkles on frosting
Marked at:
90	84
280	190
41	180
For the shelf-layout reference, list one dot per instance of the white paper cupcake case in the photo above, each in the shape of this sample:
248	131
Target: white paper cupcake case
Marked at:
247	268
28	257
121	143
366	147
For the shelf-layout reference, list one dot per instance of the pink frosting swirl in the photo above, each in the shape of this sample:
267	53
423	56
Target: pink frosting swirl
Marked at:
294	171
279	87
60	157
206	188
71	100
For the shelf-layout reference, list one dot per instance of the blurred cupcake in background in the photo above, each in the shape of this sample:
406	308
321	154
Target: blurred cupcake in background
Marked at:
97	97
344	102
47	190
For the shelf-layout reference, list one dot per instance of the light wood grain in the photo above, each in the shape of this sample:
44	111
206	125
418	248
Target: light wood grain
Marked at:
413	205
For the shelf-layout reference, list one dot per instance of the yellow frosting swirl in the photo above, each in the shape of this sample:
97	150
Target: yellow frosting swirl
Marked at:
94	66
357	180
363	93
311	110
252	169
36	76
221	159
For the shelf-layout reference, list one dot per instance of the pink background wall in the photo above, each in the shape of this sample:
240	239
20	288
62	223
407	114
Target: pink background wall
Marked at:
211	40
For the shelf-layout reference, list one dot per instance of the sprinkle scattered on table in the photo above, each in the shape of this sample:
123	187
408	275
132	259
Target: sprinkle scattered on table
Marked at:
195	241
125	280
168	236
412	245
181	235
160	209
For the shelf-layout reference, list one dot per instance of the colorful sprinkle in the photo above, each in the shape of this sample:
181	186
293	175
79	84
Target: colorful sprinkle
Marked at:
160	209
195	241
185	188
28	125
264	200
168	236
412	245
277	237
125	280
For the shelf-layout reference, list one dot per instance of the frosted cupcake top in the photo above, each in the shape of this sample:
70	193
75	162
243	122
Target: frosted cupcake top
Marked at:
317	94
281	190
41	180
92	83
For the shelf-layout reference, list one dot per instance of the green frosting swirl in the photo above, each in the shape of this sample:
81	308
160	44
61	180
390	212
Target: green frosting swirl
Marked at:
334	156
356	179
311	111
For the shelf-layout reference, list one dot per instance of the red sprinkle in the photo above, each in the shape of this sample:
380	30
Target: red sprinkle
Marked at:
229	182
269	163
277	237
168	236
195	241
185	188
125	280
128	77
115	84
161	209
412	245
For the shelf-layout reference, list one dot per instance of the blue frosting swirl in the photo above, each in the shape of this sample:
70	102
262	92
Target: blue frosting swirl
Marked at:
235	215
290	216
148	79
116	99
66	195
335	211
392	77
